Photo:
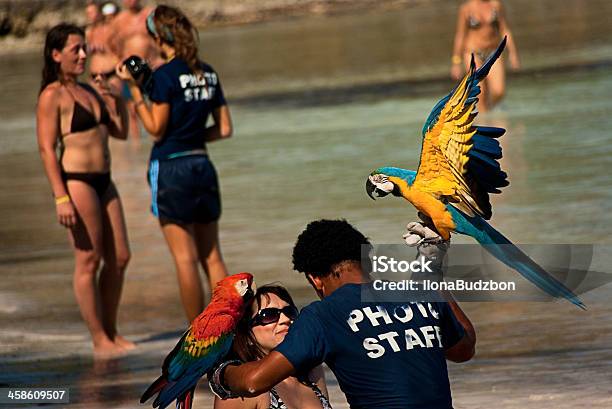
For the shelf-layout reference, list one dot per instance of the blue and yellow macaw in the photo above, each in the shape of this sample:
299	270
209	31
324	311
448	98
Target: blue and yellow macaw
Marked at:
457	171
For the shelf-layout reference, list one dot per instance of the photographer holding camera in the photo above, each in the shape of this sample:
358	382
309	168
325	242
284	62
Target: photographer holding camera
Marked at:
183	92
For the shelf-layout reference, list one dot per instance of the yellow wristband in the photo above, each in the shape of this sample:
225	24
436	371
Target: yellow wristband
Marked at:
62	199
456	59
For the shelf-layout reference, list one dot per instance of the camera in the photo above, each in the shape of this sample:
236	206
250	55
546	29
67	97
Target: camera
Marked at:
139	70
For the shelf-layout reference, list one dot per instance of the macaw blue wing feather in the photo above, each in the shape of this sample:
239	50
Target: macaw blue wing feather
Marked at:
458	161
486	145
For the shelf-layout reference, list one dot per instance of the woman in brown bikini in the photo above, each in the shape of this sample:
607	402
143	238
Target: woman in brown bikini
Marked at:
480	27
75	116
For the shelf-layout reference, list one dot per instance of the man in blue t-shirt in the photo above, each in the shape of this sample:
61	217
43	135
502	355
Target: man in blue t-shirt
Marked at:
384	354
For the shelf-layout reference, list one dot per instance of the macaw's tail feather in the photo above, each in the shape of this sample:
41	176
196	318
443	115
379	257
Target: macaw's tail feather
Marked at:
509	254
166	392
186	401
155	387
181	390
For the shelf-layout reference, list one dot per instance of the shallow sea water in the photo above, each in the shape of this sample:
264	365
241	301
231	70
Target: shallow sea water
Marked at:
318	104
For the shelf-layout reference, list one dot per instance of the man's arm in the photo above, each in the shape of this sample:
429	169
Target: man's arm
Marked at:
430	245
254	378
463	350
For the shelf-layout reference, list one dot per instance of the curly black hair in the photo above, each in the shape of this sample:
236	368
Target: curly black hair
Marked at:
325	243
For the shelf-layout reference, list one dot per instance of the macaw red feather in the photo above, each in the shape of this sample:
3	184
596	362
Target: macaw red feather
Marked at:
226	303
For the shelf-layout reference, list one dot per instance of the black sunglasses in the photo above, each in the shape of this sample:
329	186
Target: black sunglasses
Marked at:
103	75
267	316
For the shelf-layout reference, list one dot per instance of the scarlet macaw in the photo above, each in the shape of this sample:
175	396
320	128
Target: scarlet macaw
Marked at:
458	169
203	345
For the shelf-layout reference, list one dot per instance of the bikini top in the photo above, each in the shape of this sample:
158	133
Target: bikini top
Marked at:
277	403
82	119
474	23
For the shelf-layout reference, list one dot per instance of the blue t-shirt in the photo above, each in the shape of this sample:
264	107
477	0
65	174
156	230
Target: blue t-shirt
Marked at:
384	355
192	98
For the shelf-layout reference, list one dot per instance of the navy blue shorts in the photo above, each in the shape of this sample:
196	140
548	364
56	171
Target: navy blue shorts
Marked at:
185	190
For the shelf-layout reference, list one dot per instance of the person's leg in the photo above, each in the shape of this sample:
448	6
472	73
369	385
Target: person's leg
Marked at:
116	257
209	252
181	241
496	83
87	240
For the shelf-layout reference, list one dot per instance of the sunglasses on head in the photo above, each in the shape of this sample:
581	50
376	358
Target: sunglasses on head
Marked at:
103	75
267	316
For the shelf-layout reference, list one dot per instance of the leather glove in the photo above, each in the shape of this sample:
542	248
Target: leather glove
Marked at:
215	381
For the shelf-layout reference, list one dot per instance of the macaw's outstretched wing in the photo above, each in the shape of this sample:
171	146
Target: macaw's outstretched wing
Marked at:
458	159
479	75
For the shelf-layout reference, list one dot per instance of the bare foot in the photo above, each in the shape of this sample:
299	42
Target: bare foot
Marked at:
124	343
106	349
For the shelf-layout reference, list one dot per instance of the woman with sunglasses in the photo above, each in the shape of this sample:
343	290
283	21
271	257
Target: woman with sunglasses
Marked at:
184	93
74	116
264	326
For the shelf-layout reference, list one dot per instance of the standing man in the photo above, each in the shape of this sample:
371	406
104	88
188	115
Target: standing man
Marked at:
96	32
130	33
384	355
131	38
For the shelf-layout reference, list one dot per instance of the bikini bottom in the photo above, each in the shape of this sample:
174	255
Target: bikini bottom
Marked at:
483	53
100	182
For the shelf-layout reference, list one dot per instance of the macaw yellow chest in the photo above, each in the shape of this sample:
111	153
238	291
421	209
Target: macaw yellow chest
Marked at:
429	205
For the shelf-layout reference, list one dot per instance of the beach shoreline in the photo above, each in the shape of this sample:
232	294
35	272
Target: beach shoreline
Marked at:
23	23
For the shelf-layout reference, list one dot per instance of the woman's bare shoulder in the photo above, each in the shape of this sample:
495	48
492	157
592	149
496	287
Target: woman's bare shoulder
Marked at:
51	92
50	96
465	7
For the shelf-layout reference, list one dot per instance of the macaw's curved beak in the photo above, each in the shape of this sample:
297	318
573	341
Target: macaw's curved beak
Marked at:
250	291
372	188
